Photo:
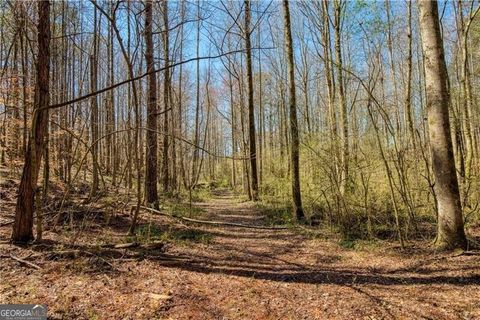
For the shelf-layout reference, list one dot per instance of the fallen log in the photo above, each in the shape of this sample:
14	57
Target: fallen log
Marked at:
126	245
25	262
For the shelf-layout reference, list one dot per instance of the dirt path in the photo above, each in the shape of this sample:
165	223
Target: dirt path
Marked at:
256	274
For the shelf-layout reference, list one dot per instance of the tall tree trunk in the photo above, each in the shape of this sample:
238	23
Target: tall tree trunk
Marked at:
172	119
111	138
25	74
233	121
151	194
393	78
245	167
450	229
330	82
466	83
180	100
196	139
129	151
294	150
408	94
94	108
251	109
261	151
341	94
166	104
16	148
23	224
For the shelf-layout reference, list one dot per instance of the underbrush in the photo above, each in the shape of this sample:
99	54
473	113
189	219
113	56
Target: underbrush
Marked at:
183	210
201	193
364	212
276	215
352	223
148	233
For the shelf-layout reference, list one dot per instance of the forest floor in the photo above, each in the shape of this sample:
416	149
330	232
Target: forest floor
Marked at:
223	272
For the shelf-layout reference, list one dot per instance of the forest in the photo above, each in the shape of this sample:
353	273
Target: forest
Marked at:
227	159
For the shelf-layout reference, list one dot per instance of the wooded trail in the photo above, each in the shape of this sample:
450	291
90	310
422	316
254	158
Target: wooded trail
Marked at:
359	118
242	273
272	274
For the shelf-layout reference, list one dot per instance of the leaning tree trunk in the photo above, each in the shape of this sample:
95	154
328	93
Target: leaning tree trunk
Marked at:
450	230
294	150
251	111
23	224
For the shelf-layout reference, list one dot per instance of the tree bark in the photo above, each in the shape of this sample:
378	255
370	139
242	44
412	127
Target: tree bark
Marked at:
111	118
151	193
341	94
466	85
94	108
294	150
23	225
251	109
330	82
408	94
450	229
196	138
